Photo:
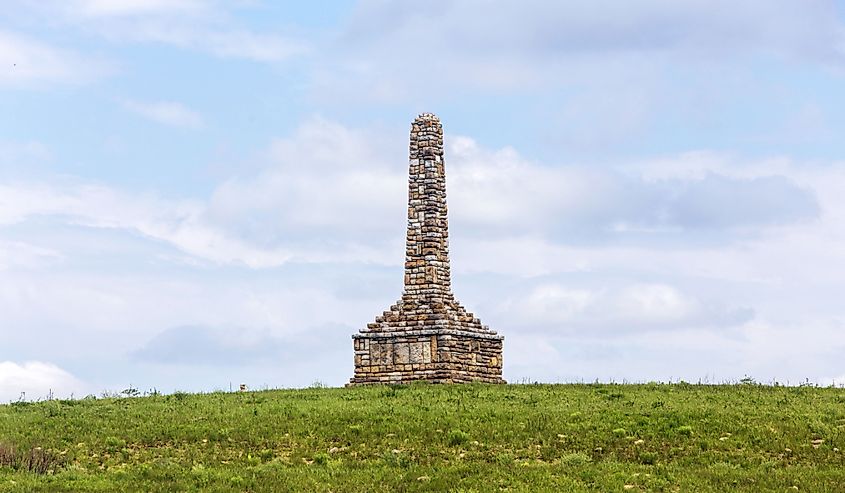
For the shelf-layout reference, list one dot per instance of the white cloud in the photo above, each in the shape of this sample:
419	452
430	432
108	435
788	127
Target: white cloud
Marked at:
499	191
206	27
170	113
239	43
325	183
655	303
330	193
541	28
552	302
567	261
611	307
621	48
534	357
28	62
219	41
110	8
179	223
320	228
35	380
15	254
596	78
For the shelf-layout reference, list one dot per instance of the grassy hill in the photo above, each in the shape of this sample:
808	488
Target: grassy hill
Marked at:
674	437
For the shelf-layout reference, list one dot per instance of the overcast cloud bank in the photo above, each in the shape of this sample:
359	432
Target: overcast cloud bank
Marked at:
196	193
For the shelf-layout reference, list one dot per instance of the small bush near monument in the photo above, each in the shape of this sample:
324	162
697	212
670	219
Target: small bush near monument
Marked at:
472	437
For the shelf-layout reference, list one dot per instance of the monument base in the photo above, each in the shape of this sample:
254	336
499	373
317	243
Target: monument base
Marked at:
437	355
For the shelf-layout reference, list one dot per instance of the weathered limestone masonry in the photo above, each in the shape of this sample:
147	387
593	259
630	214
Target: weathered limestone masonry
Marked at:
427	334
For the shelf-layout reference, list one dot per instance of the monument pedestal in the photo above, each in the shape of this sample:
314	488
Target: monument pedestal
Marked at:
445	356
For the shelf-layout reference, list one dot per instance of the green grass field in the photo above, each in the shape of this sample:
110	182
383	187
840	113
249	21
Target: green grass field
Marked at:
652	437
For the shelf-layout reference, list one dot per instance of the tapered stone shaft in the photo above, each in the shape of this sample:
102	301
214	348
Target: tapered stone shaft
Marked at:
427	242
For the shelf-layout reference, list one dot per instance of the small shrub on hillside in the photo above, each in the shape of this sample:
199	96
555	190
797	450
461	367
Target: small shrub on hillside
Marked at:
395	458
505	458
113	443
575	459
201	475
458	437
392	390
179	395
685	430
130	391
648	458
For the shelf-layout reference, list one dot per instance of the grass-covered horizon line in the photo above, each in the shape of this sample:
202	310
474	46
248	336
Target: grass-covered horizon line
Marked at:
132	391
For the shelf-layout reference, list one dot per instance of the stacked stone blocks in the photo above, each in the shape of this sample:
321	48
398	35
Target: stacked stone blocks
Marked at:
427	334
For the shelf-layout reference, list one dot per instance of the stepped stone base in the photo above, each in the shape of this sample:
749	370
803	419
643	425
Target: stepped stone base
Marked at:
438	356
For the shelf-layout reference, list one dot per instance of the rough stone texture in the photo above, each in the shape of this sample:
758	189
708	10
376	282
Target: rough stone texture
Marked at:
427	334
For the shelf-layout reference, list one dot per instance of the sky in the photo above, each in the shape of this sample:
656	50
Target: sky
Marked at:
196	194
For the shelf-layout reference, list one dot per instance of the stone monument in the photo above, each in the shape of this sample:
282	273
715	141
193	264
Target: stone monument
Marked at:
427	334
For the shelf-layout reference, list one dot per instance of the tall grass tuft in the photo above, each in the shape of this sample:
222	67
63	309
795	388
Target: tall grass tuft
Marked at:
7	455
35	460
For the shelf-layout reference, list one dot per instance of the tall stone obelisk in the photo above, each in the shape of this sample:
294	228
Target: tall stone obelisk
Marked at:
427	334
